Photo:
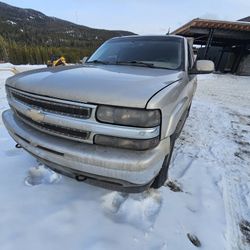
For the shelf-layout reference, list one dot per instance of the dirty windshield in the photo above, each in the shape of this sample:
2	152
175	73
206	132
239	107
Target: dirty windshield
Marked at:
156	52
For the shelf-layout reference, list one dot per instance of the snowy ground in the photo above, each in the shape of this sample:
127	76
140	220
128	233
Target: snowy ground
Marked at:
18	68
211	165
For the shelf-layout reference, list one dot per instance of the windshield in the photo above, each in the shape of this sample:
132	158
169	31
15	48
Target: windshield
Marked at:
159	52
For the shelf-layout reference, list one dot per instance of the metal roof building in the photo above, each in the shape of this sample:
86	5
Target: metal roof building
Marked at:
226	43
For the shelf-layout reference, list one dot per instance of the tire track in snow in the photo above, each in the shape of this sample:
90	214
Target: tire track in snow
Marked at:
222	135
235	212
236	185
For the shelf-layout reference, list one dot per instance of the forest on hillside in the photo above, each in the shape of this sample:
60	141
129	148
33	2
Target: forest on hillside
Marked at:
21	53
30	37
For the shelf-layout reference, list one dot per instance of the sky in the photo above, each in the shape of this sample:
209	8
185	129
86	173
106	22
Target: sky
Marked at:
138	16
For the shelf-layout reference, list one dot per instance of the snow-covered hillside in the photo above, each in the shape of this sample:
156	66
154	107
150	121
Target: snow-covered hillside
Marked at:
210	166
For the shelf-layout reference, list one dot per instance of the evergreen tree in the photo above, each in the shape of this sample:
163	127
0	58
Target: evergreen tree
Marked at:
3	50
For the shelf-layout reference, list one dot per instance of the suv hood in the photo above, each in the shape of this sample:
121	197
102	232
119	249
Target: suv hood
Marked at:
117	85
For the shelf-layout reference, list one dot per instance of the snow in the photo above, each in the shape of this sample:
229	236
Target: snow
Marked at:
69	31
41	175
43	210
4	67
11	22
22	68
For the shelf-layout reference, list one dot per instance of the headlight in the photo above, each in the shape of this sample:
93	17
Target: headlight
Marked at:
117	142
128	116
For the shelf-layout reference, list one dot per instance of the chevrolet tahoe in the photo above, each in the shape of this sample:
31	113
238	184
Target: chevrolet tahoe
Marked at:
113	120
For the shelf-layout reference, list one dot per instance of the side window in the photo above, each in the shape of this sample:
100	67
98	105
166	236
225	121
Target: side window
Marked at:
190	57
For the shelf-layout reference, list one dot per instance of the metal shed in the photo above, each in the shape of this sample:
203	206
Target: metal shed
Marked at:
226	43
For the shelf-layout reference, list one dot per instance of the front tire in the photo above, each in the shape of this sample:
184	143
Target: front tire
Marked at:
163	174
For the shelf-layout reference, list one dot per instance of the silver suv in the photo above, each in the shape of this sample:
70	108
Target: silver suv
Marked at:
112	121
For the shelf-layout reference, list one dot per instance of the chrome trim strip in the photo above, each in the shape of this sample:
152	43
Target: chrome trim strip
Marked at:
50	132
18	97
52	99
87	125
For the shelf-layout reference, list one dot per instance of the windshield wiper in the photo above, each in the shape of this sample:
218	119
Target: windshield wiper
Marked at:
137	63
98	61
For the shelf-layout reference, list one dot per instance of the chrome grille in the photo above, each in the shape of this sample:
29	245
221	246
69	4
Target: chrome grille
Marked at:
70	133
24	103
52	106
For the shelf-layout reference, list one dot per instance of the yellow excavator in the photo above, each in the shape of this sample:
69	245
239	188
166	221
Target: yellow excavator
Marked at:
54	62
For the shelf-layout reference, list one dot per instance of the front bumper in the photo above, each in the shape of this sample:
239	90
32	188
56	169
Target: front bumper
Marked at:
113	168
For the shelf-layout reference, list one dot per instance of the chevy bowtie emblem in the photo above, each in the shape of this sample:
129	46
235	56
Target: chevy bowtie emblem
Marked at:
36	115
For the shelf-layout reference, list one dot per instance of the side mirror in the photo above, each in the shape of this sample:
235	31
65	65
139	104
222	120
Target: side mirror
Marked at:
202	67
84	59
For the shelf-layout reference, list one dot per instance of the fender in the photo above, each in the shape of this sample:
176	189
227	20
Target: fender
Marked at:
176	116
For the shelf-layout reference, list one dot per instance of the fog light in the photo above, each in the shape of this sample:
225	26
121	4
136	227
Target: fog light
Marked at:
135	144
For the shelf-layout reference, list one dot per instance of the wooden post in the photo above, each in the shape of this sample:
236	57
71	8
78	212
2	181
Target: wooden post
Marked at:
238	59
220	58
209	41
